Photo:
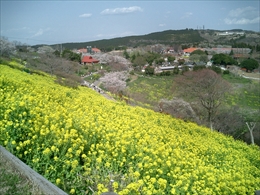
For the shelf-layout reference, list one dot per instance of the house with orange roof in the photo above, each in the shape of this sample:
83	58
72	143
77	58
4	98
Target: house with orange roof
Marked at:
89	49
188	51
88	60
96	50
82	50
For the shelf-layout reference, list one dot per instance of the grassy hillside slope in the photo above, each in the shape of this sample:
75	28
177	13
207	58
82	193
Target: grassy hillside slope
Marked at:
85	143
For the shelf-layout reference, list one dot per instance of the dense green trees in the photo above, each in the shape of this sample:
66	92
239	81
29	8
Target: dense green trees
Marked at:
149	70
249	64
171	59
198	55
138	62
223	59
198	52
126	54
70	55
150	57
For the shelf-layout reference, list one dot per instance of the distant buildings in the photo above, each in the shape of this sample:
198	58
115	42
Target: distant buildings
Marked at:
88	50
229	33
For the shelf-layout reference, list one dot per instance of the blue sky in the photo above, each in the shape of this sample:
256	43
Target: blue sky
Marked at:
51	22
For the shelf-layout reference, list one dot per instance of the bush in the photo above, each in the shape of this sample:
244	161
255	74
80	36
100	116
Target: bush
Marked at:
165	73
149	70
216	69
226	72
198	67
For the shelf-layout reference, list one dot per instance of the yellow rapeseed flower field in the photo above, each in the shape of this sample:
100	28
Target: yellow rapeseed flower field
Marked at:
85	143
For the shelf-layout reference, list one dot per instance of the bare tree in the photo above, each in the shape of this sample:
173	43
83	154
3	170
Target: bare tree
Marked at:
6	48
207	87
251	126
251	119
230	121
178	108
45	49
49	63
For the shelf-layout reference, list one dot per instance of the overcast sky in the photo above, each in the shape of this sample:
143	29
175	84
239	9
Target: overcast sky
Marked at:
50	21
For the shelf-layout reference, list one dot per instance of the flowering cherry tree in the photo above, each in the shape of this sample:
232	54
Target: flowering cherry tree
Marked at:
114	81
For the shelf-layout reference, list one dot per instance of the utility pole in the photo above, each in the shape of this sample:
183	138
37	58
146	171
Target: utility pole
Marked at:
61	50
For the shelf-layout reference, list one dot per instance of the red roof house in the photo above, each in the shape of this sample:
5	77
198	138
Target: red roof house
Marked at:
88	60
189	50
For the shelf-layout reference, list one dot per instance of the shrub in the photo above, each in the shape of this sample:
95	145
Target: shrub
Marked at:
216	69
226	72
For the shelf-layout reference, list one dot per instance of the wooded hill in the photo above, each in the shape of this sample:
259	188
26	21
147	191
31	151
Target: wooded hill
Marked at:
164	37
169	37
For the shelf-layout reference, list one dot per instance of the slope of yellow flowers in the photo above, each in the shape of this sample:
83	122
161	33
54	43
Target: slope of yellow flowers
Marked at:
85	143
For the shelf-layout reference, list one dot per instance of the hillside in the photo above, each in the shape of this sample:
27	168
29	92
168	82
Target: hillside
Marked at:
164	37
85	143
168	37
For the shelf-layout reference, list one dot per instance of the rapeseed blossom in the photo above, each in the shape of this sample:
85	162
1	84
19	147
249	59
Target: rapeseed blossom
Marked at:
75	137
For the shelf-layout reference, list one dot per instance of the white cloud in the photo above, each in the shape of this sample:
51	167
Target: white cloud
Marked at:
40	32
162	24
242	21
123	10
186	15
85	15
242	16
240	12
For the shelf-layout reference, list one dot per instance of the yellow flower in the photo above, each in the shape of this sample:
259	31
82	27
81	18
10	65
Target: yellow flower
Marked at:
56	158
115	185
173	191
21	104
74	163
136	174
58	181
72	191
46	151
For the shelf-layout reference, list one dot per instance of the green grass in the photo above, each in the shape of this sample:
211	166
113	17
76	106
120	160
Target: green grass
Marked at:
246	92
151	89
246	96
231	78
12	182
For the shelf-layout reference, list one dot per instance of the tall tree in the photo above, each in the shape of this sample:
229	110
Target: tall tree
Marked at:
223	59
249	64
138	62
207	87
